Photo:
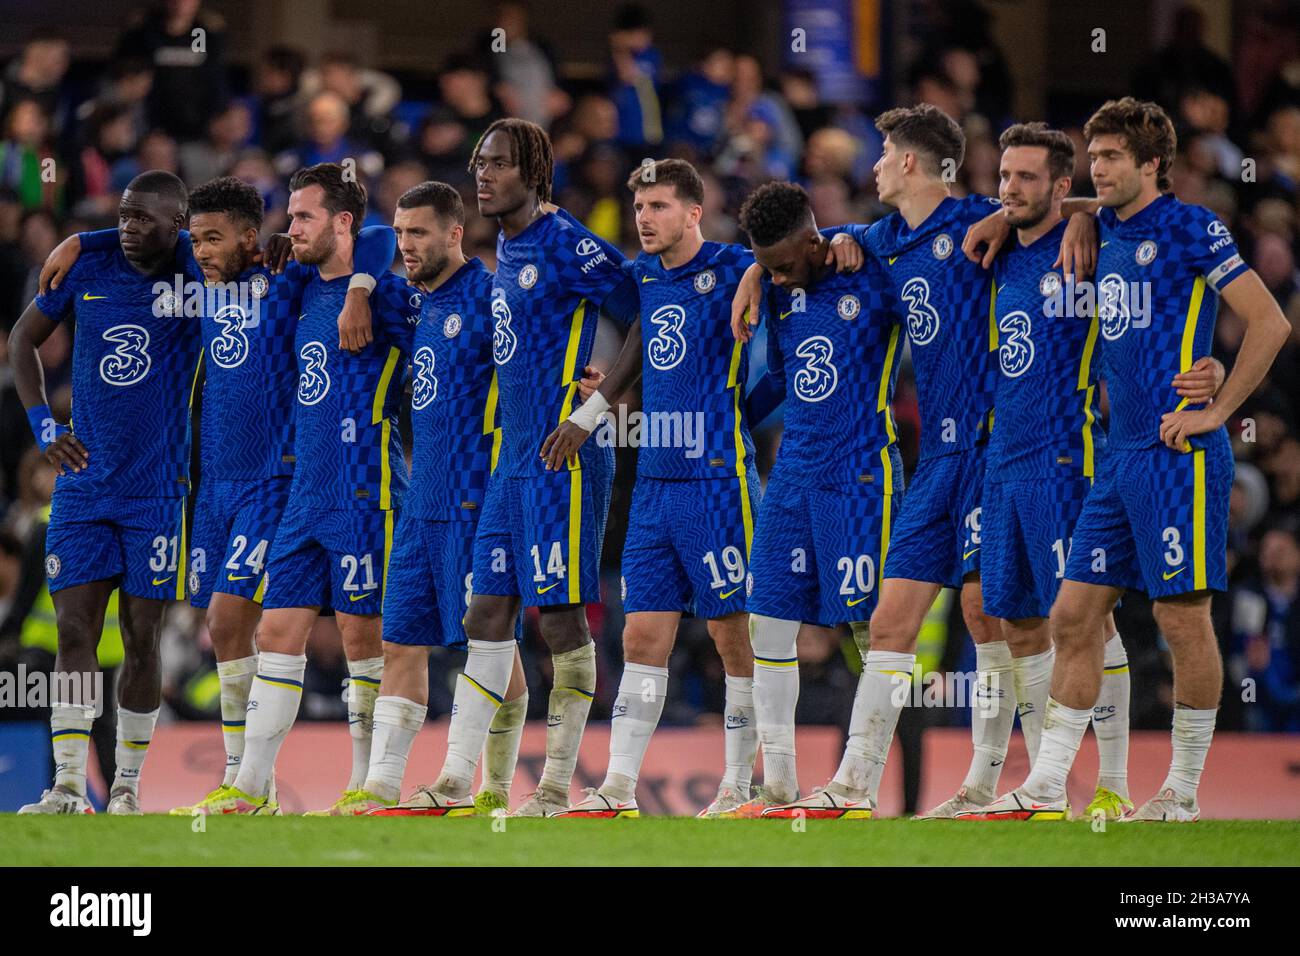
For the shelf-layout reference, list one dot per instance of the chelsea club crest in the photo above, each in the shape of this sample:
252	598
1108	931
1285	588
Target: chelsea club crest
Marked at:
848	307
942	246
258	286
1146	253
451	327
1049	284
705	281
528	276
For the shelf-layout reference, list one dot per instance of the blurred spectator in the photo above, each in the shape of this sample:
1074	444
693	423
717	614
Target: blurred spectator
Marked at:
156	151
210	157
1266	627
38	73
127	90
698	108
327	139
464	86
27	160
637	72
1186	63
187	47
109	138
523	67
369	94
441	145
279	99
1206	113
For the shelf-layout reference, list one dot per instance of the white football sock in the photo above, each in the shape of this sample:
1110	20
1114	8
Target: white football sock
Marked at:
479	692
397	720
740	729
1110	720
637	708
993	711
364	677
134	731
566	717
236	678
882	692
776	694
1192	733
70	734
272	708
1033	677
501	751
1063	729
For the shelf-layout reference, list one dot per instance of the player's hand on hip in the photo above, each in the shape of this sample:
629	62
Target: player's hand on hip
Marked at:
563	444
67	451
1078	256
744	305
59	263
991	232
1177	427
277	252
590	381
845	253
1201	382
355	332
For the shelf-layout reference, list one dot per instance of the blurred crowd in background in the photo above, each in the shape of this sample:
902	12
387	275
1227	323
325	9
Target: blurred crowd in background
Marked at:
155	105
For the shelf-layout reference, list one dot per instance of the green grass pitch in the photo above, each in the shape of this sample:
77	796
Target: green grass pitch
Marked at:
658	841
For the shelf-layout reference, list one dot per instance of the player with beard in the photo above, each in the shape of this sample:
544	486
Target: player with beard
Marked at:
540	535
457	440
1157	517
249	318
333	543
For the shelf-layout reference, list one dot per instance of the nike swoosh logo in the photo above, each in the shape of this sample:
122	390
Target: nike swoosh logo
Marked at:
87	297
726	594
996	763
1104	244
556	724
491	731
156	582
645	279
856	601
244	577
359	597
548	587
1167	575
893	259
968	554
784	314
1098	720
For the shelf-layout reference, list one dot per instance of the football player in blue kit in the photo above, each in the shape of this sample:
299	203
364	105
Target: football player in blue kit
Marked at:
539	537
457	440
249	316
334	540
692	518
118	514
1156	517
1043	452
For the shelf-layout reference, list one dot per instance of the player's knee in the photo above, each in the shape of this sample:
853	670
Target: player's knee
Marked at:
891	634
981	627
78	630
644	643
1183	622
487	620
565	629
1072	622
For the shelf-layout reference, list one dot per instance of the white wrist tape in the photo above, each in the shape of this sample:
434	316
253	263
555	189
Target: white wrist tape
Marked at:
361	280
587	415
